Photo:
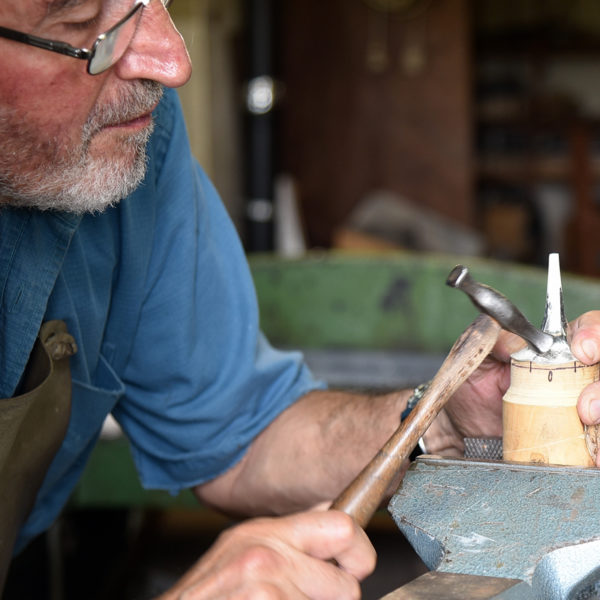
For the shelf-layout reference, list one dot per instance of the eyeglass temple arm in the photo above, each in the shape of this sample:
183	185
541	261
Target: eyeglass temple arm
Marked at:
32	40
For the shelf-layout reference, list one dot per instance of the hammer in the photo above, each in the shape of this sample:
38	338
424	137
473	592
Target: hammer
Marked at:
364	495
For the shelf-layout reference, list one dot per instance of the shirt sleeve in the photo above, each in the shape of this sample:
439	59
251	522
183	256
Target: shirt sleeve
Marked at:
201	379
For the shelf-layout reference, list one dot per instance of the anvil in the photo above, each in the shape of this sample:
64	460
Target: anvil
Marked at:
530	531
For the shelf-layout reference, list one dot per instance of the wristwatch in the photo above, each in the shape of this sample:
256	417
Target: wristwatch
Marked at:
416	395
414	398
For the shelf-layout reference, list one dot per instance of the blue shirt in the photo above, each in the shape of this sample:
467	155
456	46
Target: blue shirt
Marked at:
158	295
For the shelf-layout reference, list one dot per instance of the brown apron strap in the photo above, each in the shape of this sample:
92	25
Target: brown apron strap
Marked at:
32	428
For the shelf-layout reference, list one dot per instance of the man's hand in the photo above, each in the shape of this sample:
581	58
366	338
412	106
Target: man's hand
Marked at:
286	557
585	345
476	408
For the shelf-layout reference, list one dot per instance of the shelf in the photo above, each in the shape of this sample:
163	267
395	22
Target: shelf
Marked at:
543	40
522	169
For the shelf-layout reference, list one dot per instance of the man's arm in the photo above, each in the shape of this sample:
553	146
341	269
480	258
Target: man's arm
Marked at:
308	454
317	446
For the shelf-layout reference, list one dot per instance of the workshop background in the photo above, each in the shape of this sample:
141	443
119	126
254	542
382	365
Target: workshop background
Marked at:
368	127
480	116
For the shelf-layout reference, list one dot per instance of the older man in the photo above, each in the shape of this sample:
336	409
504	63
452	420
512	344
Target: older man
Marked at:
116	250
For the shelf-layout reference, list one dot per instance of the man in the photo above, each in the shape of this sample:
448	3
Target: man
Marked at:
108	225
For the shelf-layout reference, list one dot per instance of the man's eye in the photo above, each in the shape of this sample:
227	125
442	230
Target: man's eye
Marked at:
83	25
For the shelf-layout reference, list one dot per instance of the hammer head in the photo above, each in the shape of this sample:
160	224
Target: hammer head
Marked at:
539	524
491	302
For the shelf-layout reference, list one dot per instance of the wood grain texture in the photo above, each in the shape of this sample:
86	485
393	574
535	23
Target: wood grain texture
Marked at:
346	131
540	419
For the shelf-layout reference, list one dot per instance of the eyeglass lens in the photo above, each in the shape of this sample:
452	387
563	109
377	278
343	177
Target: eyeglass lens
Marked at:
112	45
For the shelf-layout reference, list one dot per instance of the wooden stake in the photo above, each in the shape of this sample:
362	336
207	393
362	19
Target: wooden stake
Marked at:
540	417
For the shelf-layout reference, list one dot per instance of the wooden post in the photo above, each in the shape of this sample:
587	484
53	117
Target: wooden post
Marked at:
540	417
539	411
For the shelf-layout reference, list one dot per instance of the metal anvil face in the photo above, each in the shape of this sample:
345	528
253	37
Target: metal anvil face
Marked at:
537	524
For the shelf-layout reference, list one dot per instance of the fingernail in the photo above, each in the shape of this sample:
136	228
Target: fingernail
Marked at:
590	349
595	411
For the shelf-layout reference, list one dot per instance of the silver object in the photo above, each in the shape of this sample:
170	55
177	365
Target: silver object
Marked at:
499	307
554	324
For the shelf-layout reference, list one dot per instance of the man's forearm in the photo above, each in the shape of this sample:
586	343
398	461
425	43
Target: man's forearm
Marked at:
308	454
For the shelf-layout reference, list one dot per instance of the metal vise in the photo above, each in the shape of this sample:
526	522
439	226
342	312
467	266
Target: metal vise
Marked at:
502	530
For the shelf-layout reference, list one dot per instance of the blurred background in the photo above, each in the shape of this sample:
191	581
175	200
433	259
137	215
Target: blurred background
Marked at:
456	125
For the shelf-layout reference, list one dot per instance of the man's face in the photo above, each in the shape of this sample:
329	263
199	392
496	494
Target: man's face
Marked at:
68	140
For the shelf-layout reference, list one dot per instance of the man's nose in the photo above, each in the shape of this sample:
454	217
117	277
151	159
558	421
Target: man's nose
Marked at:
157	51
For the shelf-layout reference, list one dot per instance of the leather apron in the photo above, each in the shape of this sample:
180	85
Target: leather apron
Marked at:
33	425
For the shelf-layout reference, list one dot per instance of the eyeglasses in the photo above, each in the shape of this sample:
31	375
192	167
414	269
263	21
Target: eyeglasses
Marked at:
108	48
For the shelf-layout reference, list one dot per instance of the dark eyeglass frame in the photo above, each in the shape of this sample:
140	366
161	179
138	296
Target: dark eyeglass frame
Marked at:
80	53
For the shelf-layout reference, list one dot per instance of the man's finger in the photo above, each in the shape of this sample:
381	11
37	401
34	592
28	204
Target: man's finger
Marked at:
330	535
588	404
585	337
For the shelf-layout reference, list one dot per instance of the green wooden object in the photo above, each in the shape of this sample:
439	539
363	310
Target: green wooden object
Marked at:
394	301
340	301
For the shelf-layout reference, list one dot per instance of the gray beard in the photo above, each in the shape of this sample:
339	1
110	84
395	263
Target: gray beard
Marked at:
46	175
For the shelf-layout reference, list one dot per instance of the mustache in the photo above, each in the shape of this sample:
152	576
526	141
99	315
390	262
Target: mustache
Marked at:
139	98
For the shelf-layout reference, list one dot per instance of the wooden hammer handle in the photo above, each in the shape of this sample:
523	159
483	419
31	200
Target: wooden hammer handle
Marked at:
364	495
